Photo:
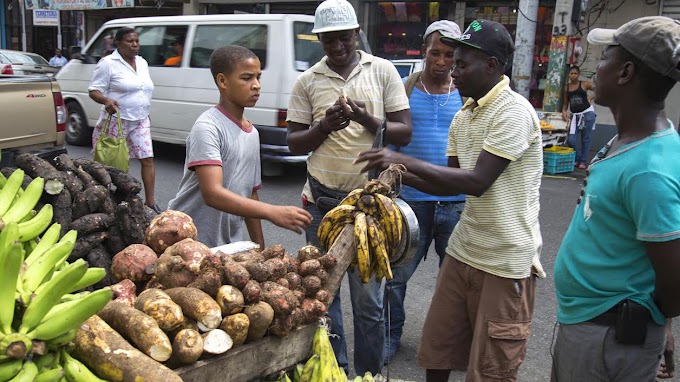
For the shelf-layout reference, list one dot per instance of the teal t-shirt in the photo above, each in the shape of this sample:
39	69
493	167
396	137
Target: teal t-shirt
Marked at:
631	197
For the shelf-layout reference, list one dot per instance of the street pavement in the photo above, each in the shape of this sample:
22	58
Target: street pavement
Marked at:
558	200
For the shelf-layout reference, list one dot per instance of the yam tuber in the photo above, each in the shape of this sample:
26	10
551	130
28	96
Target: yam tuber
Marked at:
250	255
309	267
322	275
281	326
126	184
274	251
124	291
216	341
139	328
308	252
312	309
292	265
181	263
187	347
111	357
99	257
61	205
114	242
230	300
261	316
281	299
252	292
89	201
135	262
236	326
324	296
159	306
131	220
277	268
95	169
198	305
294	280
63	162
283	282
259	271
311	284
90	223
328	261
168	228
85	244
235	274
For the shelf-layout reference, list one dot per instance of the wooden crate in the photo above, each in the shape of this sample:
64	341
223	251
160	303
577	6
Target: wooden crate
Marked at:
251	362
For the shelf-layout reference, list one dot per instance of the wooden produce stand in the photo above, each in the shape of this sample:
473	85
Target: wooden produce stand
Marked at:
253	361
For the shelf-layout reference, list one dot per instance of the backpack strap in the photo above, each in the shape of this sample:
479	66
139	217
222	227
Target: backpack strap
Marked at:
411	83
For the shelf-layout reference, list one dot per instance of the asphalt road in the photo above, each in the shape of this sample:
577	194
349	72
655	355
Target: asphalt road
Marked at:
558	199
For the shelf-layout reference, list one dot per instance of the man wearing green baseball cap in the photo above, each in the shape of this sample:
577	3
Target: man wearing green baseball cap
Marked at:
616	273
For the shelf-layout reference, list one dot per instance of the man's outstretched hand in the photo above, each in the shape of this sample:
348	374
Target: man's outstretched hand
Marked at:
293	218
379	158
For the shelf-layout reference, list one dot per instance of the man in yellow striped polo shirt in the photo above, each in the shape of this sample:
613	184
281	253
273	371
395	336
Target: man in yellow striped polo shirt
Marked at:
480	315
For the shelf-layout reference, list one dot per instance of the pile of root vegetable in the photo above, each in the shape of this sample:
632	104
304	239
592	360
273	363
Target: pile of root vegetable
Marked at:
99	202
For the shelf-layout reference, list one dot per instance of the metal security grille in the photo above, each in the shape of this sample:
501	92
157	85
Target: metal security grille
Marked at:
670	8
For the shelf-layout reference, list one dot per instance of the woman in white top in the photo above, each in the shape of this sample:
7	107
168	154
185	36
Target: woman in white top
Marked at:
121	82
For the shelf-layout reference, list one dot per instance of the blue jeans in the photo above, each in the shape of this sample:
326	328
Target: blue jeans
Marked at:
436	221
583	152
367	313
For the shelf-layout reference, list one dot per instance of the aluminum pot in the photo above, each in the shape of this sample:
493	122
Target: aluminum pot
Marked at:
410	238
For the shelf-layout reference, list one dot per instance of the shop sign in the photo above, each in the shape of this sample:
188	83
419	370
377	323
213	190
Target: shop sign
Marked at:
73	5
43	17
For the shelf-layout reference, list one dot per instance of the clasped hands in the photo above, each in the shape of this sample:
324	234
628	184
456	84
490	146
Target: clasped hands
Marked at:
341	113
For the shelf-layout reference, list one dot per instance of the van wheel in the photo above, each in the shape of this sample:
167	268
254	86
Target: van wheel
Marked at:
78	133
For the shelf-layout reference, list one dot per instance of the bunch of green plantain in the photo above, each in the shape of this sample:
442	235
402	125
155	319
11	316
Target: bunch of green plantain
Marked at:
368	377
39	314
378	228
322	366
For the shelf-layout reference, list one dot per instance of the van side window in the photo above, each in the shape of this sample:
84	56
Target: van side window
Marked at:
103	45
162	45
210	37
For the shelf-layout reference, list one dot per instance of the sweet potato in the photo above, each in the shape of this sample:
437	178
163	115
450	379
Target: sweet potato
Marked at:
106	353
158	305
216	341
259	272
236	326
311	284
309	267
328	261
85	244
312	309
135	262
181	263
89	201
276	267
187	347
281	326
230	300
90	223
139	328
308	252
168	228
124	291
252	292
281	299
274	251
294	280
260	316
235	274
198	305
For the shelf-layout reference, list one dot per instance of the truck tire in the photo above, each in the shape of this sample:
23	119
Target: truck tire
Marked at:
78	133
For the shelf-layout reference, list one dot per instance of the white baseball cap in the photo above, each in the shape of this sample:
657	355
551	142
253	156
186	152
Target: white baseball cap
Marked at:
334	15
444	27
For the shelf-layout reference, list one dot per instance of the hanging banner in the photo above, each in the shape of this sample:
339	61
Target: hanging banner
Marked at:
42	17
74	5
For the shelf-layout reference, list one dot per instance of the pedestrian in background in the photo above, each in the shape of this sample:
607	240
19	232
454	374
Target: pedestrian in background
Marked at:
318	123
121	83
434	100
616	272
582	120
222	168
58	60
480	316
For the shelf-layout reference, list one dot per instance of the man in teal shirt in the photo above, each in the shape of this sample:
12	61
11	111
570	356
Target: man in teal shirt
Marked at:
616	271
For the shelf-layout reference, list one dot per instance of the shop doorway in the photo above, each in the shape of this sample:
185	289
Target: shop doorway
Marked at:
45	41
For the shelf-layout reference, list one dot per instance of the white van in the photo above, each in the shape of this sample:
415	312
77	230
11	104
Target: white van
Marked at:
284	44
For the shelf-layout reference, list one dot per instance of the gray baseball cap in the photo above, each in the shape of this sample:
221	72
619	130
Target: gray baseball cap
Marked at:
654	40
445	27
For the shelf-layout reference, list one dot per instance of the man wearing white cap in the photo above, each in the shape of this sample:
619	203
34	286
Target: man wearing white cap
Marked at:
335	109
434	100
616	273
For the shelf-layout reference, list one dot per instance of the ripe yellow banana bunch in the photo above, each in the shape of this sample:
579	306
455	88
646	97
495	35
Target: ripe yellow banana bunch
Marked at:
378	229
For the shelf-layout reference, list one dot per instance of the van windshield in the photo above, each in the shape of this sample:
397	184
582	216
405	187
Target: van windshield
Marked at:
308	49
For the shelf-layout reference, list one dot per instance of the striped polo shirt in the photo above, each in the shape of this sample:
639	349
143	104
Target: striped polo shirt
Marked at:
499	232
374	81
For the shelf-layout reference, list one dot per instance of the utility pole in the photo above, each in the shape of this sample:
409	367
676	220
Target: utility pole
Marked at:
525	38
557	64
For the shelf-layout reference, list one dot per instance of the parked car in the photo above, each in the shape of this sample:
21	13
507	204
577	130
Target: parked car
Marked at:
14	62
408	66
